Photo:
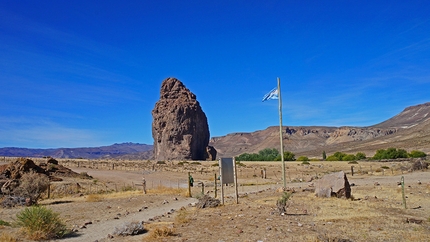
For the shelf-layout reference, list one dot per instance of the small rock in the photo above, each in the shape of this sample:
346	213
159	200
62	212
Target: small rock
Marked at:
299	224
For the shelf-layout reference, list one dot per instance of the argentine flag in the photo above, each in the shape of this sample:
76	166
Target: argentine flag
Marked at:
271	95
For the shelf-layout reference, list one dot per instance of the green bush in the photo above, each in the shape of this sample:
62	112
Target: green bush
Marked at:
305	162
417	154
390	153
288	156
303	158
41	223
349	157
360	156
266	155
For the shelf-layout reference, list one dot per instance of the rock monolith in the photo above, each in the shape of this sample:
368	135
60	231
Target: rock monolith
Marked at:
179	126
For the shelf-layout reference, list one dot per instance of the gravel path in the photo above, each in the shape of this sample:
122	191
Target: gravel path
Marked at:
100	230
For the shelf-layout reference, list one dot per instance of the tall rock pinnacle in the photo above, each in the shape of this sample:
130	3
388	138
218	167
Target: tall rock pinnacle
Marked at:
179	125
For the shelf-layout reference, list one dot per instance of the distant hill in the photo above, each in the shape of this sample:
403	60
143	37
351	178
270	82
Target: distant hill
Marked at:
408	130
111	151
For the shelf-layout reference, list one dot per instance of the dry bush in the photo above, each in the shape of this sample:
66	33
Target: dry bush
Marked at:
161	232
5	237
94	198
32	185
182	216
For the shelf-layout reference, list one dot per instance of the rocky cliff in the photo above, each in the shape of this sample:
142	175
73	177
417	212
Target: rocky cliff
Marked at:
409	129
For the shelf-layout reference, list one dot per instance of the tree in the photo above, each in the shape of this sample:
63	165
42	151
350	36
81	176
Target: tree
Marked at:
288	156
390	153
324	155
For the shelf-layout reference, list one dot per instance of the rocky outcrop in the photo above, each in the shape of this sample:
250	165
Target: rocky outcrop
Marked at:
179	127
210	153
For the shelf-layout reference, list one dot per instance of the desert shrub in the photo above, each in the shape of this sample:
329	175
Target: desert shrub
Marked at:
305	162
32	185
238	163
303	158
417	154
215	164
4	223
161	162
353	162
182	216
181	163
5	237
196	163
161	232
94	198
378	170
281	204
41	223
385	167
129	228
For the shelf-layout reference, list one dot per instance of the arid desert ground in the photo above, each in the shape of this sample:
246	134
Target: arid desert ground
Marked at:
95	207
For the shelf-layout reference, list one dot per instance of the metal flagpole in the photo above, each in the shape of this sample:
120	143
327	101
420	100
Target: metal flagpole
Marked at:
280	133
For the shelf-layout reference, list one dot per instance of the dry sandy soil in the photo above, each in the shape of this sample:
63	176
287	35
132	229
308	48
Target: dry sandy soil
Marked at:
375	214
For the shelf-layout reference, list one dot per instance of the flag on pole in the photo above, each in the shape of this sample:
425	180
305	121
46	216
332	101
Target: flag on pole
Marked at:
271	95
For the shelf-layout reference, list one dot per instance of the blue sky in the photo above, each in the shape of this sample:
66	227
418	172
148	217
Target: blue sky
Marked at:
88	73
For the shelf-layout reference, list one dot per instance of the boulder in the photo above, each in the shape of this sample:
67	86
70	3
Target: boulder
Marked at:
333	185
179	128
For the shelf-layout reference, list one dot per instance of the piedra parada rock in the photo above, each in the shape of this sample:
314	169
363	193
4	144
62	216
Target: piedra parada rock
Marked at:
179	127
333	185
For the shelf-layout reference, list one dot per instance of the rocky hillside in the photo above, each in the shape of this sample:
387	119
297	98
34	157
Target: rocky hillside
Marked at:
409	130
111	151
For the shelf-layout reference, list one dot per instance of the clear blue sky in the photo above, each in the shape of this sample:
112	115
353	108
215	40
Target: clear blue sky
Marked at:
88	73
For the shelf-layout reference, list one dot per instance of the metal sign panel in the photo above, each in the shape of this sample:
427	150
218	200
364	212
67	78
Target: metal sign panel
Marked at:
227	171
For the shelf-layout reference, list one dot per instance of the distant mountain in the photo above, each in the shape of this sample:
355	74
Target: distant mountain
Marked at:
408	130
111	151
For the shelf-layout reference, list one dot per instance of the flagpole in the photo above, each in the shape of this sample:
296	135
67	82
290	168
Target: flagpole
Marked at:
280	133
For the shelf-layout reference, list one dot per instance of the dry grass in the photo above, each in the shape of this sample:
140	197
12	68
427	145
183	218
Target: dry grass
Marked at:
6	237
169	190
159	231
182	216
94	198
